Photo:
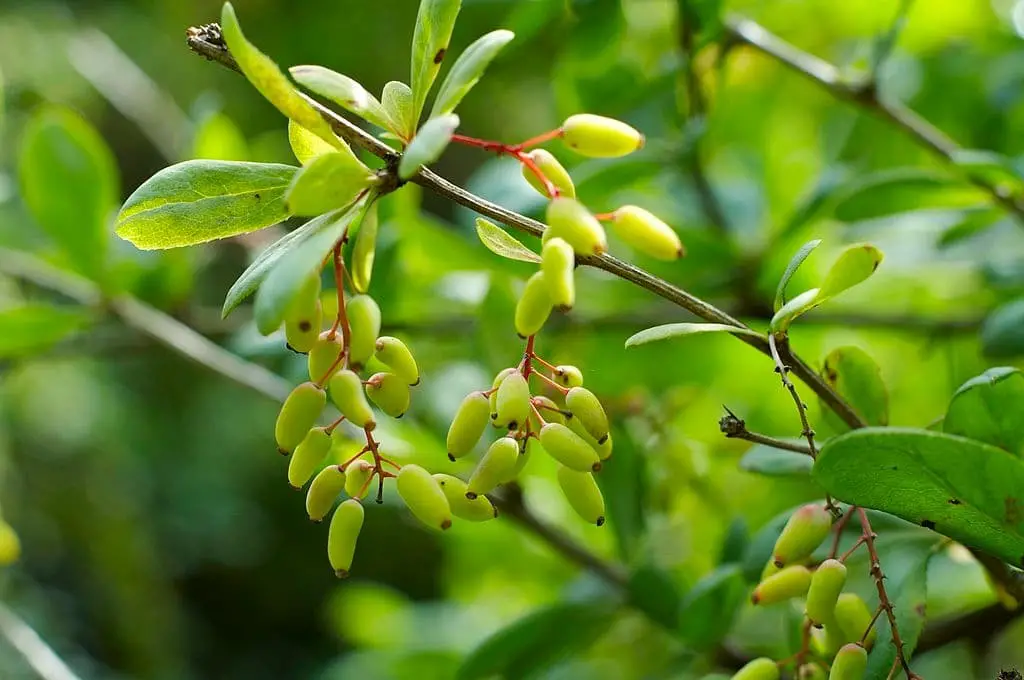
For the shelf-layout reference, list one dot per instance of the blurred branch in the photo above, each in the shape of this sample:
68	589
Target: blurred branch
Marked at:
39	655
863	91
887	41
206	42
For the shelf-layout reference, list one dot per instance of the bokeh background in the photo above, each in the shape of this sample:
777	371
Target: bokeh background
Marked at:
159	537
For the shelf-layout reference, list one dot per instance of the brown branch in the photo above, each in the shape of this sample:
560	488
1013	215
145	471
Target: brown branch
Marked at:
734	427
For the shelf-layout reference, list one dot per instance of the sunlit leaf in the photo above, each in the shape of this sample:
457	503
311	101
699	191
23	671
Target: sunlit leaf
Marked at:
990	408
961	488
343	91
856	377
500	242
794	264
328	182
853	266
468	69
305	145
804	302
198	201
397	102
890	192
69	183
434	23
35	328
1002	334
676	330
429	143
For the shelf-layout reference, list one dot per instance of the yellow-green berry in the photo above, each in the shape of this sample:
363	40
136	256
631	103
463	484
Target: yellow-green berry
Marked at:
853	617
342	536
553	170
364	321
308	456
803	533
323	491
478	509
851	663
389	392
569	220
323	357
512	403
357	478
424	497
558	262
599	136
568	376
587	409
647	233
533	307
496	465
304	316
583	494
568	448
761	668
298	414
347	394
788	583
394	354
363	250
827	584
468	425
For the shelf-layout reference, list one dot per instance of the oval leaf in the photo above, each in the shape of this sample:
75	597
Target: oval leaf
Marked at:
268	79
434	23
397	102
343	91
537	641
653	591
69	184
708	610
852	373
427	146
890	192
198	201
468	69
766	460
330	181
854	265
35	328
958	487
794	264
292	268
305	145
990	168
1002	334
675	330
500	242
989	408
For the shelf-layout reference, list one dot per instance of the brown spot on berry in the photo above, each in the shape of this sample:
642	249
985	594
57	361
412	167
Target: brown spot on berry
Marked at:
305	326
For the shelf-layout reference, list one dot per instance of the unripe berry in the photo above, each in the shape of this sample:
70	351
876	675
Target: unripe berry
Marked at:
342	536
307	457
304	316
424	496
533	307
789	583
803	533
364	321
853	617
850	663
298	414
762	668
468	424
553	170
525	451
569	220
810	671
363	251
548	410
347	394
394	354
10	544
389	392
558	261
646	233
585	407
568	376
826	585
357	477
512	403
323	491
478	509
494	467
600	137
568	448
583	494
323	357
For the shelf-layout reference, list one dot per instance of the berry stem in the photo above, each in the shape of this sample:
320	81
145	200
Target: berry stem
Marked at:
549	381
525	367
377	459
541	138
543	363
838	529
604	217
330	428
517	152
528	163
853	548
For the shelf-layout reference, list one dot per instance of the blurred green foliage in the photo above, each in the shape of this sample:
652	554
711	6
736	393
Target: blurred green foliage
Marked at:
159	537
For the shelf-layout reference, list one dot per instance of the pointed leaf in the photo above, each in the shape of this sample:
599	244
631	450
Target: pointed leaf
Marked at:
973	221
653	591
989	167
958	487
434	23
675	330
198	201
427	146
500	242
890	192
852	373
766	460
364	250
268	79
1002	334
35	328
794	264
305	145
989	408
468	69
343	91
397	102
709	609
804	302
69	184
291	269
854	265
330	181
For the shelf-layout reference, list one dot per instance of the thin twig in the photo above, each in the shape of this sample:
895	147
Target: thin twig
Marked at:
734	427
39	655
801	408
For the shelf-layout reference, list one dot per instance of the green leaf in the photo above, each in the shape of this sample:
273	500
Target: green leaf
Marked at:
675	330
434	23
625	490
989	408
1002	334
709	609
972	222
654	592
35	328
855	375
427	146
343	91
901	190
305	145
218	138
253	276
468	69
198	201
766	460
804	302
961	488
328	182
853	266
760	547
990	168
291	269
268	79
69	184
397	102
538	641
500	242
794	264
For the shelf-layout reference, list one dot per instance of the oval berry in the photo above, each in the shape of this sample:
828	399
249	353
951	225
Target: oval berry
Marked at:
323	491
788	583
342	536
761	668
323	357
587	409
851	663
347	394
424	497
533	307
569	220
568	376
495	467
389	392
548	410
468	425
512	402
357	477
558	262
583	494
647	233
364	322
298	414
308	456
304	316
853	617
394	354
599	136
810	671
478	509
826	585
803	533
568	448
553	170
